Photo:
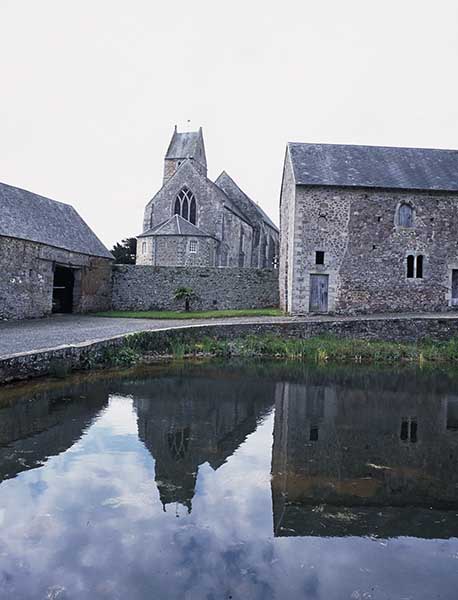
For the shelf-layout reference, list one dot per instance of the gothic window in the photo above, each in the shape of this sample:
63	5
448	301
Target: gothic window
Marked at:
185	205
178	442
192	210
143	247
405	215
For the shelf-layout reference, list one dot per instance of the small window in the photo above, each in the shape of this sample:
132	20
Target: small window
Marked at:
319	257
409	430
193	246
405	215
313	434
143	247
419	273
410	266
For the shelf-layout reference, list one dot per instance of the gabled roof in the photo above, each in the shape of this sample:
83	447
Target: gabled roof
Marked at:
188	144
374	166
242	201
27	216
227	202
176	225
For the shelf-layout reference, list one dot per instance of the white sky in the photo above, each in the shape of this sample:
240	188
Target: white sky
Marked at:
91	89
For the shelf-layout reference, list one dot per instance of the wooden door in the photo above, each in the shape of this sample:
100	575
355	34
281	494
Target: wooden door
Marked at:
319	293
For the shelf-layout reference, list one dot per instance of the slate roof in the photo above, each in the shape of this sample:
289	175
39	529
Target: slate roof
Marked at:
374	166
27	216
184	145
176	225
240	199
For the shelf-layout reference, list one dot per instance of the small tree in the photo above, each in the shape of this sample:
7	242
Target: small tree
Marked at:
186	294
125	251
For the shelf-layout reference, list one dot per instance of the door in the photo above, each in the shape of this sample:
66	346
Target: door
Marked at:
319	293
62	297
455	287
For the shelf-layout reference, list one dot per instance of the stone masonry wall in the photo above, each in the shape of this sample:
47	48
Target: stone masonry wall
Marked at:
91	354
27	276
152	288
366	251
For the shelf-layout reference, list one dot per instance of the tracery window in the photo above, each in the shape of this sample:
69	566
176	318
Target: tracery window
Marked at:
185	205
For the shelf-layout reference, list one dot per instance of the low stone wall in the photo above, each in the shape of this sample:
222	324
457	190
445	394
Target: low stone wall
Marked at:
92	354
139	287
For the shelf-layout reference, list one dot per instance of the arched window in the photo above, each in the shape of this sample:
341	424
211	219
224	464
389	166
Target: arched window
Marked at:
410	266
405	215
192	211
185	205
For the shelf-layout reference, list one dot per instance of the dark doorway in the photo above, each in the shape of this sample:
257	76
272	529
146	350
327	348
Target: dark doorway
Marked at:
455	287
62	295
319	293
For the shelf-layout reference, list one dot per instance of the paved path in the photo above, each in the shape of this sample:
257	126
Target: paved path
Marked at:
39	334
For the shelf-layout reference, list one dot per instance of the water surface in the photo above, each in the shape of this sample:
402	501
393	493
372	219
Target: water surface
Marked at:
270	480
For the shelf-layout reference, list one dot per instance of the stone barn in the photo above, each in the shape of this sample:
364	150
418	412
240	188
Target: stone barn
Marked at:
367	229
50	260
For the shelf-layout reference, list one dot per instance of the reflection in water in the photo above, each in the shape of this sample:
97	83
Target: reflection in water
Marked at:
354	461
360	484
186	423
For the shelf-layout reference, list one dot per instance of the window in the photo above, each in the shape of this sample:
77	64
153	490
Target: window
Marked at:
313	434
419	272
185	205
410	266
405	215
415	266
319	257
193	246
143	247
409	429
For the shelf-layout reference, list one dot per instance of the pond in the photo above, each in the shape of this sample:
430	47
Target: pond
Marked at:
231	481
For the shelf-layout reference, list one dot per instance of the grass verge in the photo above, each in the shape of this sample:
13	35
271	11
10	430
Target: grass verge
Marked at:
320	350
204	314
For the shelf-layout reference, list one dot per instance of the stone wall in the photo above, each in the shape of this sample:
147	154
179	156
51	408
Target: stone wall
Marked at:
175	250
92	354
27	276
152	288
366	250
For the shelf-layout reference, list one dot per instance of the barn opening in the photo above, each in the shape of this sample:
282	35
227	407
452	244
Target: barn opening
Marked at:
455	287
63	286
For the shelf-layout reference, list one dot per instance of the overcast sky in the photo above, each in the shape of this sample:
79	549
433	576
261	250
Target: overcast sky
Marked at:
91	89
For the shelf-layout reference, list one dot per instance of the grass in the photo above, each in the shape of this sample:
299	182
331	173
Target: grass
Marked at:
322	350
204	314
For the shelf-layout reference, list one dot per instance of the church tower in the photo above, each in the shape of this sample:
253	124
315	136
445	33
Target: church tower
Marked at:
183	146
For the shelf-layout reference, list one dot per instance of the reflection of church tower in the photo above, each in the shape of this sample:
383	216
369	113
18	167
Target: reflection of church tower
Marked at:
345	445
187	422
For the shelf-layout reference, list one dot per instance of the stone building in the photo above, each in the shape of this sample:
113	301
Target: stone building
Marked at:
50	260
193	221
368	229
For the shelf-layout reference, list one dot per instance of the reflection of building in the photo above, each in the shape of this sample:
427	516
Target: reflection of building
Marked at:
187	422
46	423
339	452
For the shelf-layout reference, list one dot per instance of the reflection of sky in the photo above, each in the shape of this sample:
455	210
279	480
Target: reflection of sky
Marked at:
89	524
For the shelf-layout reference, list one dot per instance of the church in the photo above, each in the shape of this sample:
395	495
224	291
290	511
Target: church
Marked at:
193	221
